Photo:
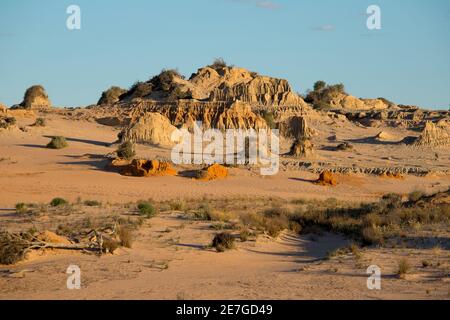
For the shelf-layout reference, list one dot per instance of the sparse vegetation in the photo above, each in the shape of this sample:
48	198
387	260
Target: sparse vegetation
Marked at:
125	235
218	64
7	122
57	143
126	150
110	96
92	203
322	94
403	268
223	241
40	122
269	118
21	208
146	209
12	248
57	202
416	195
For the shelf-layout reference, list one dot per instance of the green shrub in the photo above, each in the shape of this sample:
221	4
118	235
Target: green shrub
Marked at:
403	268
21	208
269	118
416	196
146	209
92	203
40	122
218	64
126	150
223	241
56	202
57	143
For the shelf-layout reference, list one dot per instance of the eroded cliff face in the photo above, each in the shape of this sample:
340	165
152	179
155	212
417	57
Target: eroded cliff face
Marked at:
220	97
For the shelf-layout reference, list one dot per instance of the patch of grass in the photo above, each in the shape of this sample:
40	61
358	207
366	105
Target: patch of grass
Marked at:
426	263
176	205
244	235
146	209
57	142
109	246
223	241
21	208
126	150
12	248
57	202
416	195
403	268
92	203
125	235
40	122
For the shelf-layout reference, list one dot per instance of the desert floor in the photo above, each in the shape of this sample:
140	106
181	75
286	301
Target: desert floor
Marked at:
169	259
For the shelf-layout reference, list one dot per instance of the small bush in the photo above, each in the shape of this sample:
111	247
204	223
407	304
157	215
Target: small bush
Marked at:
244	235
392	200
12	248
218	64
403	268
126	150
125	235
146	209
416	196
40	122
56	202
57	143
269	118
92	203
21	208
109	245
372	235
223	241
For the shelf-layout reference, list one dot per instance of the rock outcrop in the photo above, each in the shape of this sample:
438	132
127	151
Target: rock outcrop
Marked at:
433	136
297	128
35	98
213	172
303	148
327	178
148	168
152	128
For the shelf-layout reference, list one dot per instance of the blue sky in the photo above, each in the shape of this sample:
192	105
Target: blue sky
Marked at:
120	42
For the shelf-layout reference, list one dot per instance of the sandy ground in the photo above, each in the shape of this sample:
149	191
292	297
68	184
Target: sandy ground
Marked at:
175	264
29	172
171	262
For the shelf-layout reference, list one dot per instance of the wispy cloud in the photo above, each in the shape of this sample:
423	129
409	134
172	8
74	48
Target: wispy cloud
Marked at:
325	27
263	4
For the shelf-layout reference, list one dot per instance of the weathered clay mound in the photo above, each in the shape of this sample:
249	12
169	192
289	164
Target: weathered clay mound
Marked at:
148	168
297	127
35	98
152	128
213	172
327	178
303	148
433	136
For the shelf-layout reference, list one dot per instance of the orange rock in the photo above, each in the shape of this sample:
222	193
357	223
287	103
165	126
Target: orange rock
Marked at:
216	171
393	175
149	168
327	178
